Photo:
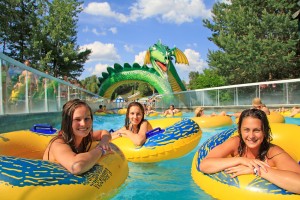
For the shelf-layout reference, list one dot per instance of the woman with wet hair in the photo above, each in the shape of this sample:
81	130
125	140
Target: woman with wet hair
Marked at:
136	126
251	152
72	146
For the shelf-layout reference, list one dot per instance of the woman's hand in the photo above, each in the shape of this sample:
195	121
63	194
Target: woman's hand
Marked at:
104	145
238	170
255	164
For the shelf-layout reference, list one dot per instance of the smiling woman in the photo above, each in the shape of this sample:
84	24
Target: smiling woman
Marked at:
71	147
252	153
136	126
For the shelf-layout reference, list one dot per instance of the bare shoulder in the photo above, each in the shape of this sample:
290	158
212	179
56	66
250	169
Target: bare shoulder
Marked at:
274	151
234	140
58	142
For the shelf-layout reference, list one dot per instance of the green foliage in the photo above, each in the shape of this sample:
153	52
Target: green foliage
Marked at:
91	84
208	79
145	89
257	40
44	32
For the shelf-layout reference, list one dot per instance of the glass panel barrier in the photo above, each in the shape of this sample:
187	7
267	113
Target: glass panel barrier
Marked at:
26	90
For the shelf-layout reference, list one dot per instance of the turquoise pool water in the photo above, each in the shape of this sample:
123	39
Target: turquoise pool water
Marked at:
163	180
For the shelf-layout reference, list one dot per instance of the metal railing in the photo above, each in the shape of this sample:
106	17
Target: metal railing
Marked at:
272	93
27	90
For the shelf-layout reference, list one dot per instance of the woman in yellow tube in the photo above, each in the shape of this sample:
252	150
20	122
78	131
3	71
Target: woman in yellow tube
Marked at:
252	152
71	147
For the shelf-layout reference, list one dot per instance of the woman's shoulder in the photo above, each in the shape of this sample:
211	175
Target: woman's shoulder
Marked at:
274	150
234	139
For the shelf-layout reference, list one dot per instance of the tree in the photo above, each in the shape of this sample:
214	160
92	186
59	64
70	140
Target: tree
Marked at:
91	84
45	33
257	40
17	18
61	54
208	79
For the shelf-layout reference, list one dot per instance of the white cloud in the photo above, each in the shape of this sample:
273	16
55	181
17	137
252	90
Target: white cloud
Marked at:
103	9
114	30
128	48
170	11
140	58
196	63
102	52
224	1
181	11
98	33
98	69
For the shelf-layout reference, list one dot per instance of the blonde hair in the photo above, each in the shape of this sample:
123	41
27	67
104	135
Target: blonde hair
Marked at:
256	101
198	111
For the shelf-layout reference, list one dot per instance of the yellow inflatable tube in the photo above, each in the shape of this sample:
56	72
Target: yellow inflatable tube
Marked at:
25	176
153	114
100	113
178	114
173	142
288	113
213	121
273	117
122	111
221	186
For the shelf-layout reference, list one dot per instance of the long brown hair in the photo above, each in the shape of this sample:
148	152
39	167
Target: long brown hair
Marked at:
265	145
66	132
127	121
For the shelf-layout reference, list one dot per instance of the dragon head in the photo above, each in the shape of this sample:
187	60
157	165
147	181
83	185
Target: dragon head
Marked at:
161	56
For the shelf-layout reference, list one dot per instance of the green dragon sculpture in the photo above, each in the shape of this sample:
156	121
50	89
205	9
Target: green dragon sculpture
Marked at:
162	75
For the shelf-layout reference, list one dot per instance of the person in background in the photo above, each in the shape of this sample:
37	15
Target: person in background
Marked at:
171	111
295	110
136	126
100	108
251	152
199	112
149	110
71	147
257	104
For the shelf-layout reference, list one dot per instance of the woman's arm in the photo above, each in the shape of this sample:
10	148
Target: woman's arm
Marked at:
118	133
219	159
286	171
104	136
75	163
140	138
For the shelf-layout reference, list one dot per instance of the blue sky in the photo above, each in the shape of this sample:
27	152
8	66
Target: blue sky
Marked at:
122	31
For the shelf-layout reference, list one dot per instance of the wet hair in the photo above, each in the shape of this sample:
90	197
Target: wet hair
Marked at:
198	111
265	145
66	132
127	121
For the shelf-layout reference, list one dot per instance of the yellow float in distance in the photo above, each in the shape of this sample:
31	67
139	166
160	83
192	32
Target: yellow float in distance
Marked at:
175	141
122	111
213	121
